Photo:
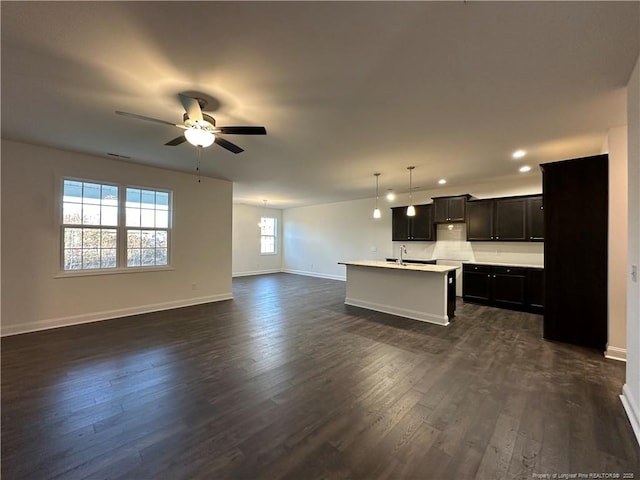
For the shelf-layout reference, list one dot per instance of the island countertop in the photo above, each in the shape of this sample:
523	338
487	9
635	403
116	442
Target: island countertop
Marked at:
416	267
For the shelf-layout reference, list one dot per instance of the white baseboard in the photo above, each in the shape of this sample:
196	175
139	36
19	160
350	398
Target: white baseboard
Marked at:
316	274
401	312
108	314
255	272
616	353
633	410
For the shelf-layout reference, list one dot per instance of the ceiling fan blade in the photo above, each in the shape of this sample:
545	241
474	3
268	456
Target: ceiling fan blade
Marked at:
149	119
228	145
176	141
243	130
192	107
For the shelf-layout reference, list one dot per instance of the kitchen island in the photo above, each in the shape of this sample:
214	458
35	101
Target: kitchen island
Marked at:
420	292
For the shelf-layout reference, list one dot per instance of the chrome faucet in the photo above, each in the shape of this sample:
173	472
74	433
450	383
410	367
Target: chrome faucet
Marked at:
403	250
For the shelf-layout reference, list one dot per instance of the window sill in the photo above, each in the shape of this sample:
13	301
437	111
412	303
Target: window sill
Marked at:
112	271
269	254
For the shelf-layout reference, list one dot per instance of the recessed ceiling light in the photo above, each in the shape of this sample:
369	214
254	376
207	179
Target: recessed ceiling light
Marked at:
519	154
442	181
390	195
525	168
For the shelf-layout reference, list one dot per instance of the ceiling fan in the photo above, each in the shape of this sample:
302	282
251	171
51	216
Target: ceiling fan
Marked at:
199	128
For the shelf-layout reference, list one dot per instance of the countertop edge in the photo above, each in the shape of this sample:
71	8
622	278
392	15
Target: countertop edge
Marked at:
414	267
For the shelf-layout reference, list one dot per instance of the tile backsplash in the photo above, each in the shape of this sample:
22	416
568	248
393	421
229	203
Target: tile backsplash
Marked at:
452	245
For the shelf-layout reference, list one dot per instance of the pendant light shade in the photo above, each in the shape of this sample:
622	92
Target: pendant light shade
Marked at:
411	210
376	212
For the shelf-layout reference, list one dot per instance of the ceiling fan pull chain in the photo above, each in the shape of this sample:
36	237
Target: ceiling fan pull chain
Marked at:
199	150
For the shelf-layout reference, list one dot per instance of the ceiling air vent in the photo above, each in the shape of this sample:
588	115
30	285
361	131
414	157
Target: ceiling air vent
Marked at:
115	155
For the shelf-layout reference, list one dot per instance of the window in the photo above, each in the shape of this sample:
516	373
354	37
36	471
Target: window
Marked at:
267	236
89	221
147	219
93	235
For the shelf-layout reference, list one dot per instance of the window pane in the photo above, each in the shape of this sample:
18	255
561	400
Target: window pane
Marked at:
109	195
148	199
162	218
90	258
109	258
147	218
133	217
162	200
91	214
148	256
91	238
161	239
161	256
109	239
267	244
72	213
148	239
133	257
91	193
109	216
133	197
133	239
72	191
72	237
72	259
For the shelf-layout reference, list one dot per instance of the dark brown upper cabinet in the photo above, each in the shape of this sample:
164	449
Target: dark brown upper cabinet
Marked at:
418	228
535	218
505	219
510	221
450	209
480	220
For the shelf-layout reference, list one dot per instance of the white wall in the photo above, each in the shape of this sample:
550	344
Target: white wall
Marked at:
617	256
33	298
316	238
246	241
631	389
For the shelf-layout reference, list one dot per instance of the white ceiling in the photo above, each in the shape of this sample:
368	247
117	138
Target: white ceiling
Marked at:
345	89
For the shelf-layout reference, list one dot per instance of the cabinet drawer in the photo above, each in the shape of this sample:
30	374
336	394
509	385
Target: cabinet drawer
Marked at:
509	270
469	267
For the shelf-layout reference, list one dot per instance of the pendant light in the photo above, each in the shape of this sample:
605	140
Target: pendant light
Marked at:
376	212
411	210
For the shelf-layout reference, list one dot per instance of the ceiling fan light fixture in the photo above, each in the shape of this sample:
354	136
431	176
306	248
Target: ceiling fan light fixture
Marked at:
198	137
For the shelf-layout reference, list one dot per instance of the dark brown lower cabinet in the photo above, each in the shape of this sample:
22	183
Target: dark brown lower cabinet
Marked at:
512	287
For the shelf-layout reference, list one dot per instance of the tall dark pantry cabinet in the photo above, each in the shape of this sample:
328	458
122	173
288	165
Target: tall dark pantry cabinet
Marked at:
576	201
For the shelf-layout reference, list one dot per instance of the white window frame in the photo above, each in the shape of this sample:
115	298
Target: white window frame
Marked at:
126	228
121	231
274	236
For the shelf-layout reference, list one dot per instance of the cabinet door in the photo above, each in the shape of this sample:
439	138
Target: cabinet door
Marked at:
441	210
508	287
480	220
421	226
510	219
457	209
399	224
535	219
535	289
476	283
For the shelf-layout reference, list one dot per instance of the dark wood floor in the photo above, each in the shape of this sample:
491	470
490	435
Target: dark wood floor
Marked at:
286	381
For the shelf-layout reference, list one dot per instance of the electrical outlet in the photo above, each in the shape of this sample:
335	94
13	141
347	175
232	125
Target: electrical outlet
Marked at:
194	286
634	273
